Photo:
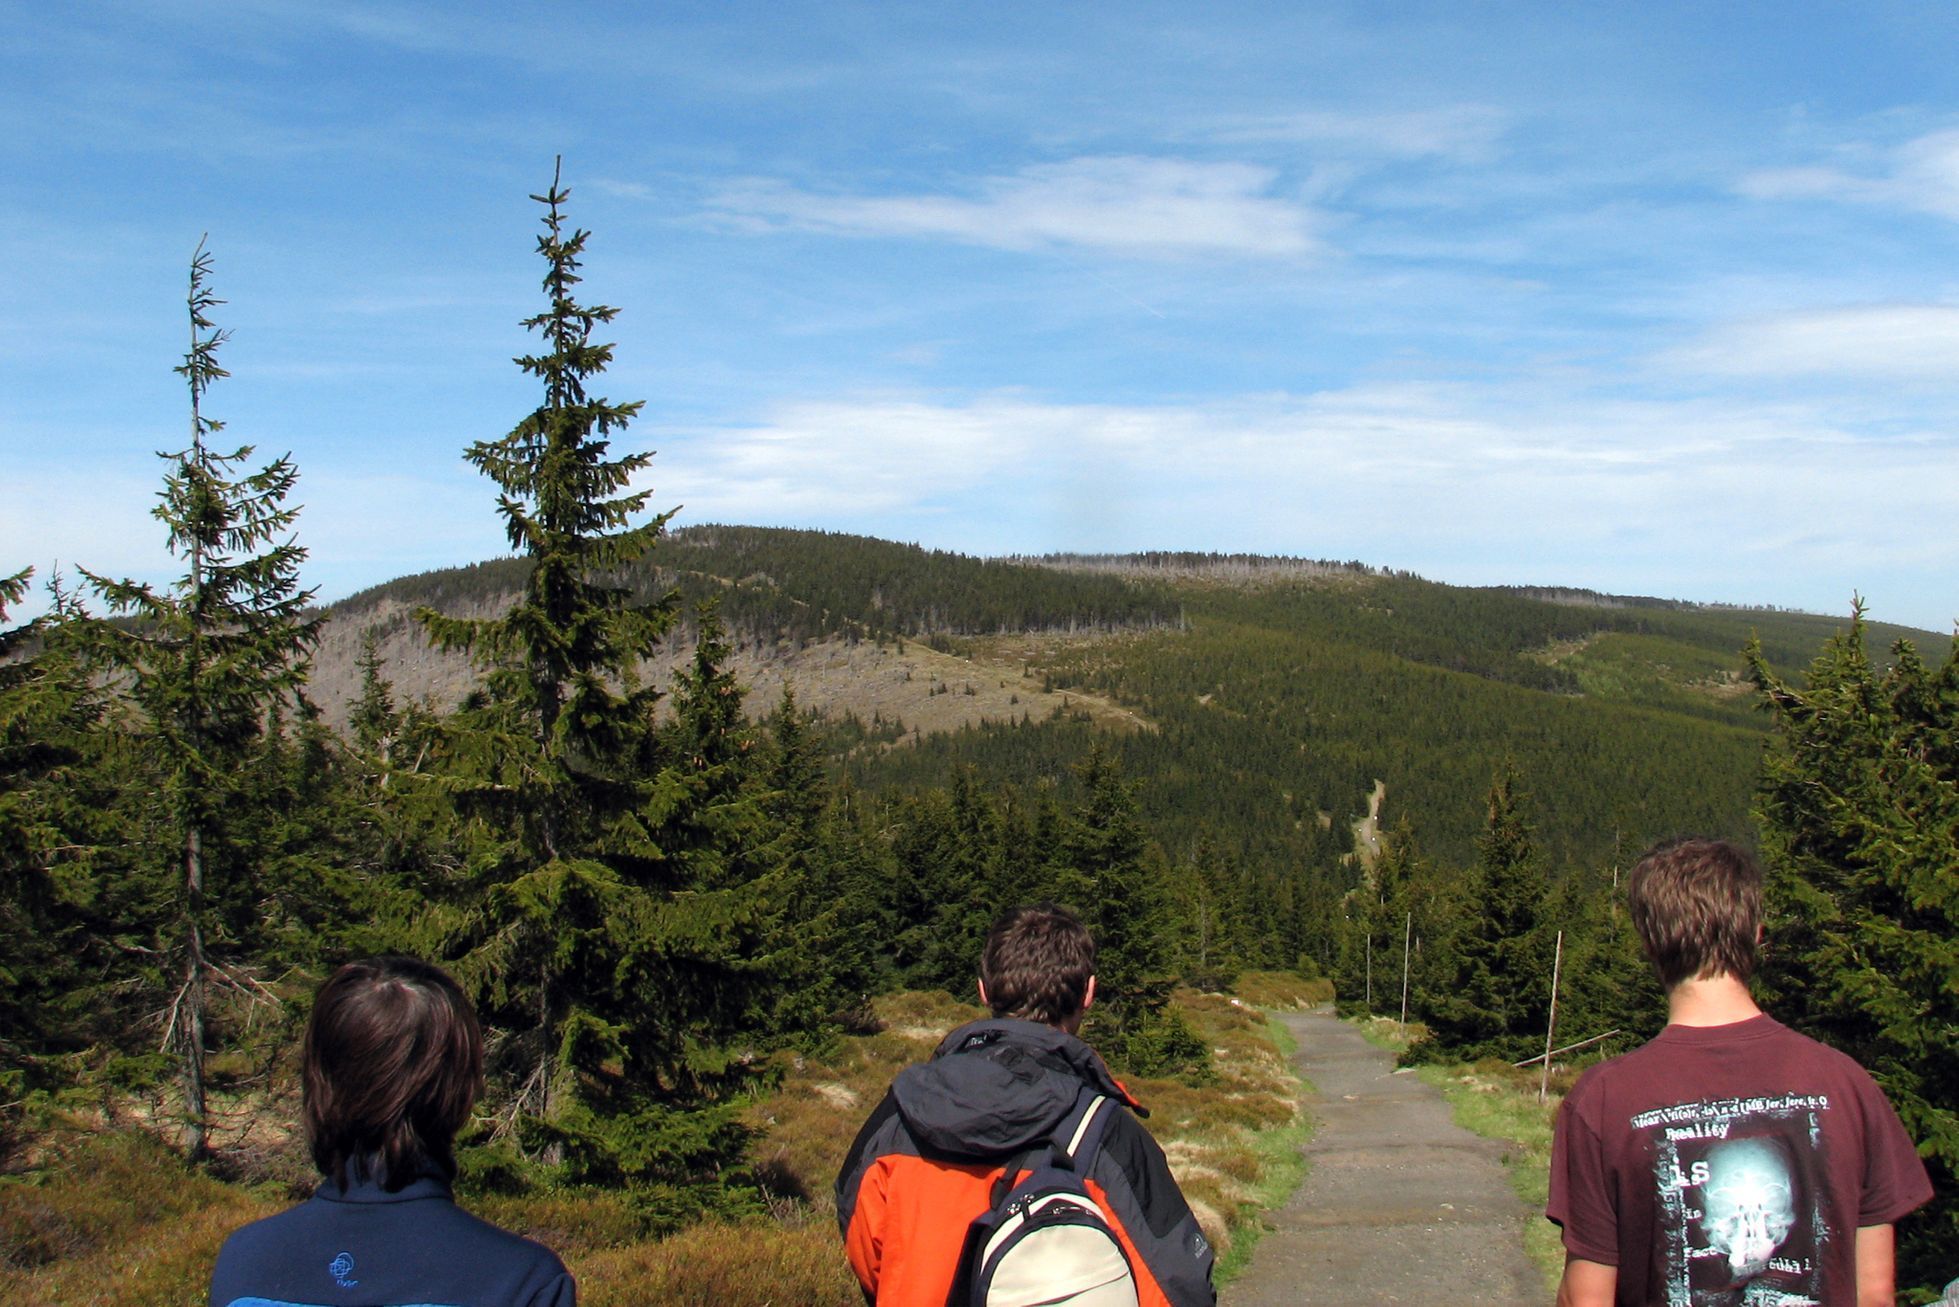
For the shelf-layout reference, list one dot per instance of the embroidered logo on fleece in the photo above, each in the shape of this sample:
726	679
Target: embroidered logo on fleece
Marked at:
341	1268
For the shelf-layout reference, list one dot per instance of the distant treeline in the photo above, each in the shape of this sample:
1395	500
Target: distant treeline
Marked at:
789	586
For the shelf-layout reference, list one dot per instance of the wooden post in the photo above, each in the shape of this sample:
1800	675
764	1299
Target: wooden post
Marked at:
1407	935
1370	971
1551	1026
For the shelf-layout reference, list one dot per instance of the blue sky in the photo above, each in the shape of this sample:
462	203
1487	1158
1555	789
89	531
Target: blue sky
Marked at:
1657	299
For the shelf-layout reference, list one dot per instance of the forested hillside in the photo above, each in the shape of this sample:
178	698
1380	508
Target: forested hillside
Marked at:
785	585
1283	688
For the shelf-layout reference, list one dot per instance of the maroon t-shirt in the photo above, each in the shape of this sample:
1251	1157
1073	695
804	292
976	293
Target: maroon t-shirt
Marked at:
1729	1164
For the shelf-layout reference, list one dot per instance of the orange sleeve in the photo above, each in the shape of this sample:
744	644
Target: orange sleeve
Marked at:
864	1242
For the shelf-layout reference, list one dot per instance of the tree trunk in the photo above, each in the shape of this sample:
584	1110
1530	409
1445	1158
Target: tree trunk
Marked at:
192	1003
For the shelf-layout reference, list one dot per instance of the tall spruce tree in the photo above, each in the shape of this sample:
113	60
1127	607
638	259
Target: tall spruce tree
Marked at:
607	914
208	661
943	845
1859	813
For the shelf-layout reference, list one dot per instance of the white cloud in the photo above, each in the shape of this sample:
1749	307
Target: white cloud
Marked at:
1735	501
1922	174
1885	341
1121	204
1468	133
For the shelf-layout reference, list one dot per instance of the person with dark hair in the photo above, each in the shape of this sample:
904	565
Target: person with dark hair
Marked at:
930	1157
1730	1160
392	1065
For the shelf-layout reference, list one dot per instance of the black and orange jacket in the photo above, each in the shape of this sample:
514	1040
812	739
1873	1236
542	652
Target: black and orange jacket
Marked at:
924	1166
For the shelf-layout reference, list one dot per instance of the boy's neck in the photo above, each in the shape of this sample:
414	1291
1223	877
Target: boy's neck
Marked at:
1710	1001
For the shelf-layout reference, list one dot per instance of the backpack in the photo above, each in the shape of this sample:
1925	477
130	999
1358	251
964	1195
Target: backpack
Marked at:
1045	1240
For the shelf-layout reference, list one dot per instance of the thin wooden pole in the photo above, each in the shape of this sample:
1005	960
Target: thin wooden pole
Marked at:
1407	935
1568	1048
1551	1026
1370	971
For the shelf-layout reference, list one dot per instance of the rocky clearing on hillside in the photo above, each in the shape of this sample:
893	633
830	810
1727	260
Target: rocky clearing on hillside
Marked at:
903	681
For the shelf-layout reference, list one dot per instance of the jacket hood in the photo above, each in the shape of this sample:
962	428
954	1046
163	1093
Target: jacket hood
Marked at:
999	1086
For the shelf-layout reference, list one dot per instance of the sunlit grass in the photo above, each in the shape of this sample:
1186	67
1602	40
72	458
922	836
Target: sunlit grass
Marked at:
1388	1033
1282	990
118	1220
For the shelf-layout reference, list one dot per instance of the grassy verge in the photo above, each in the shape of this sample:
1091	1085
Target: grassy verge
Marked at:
120	1221
1282	990
1233	1144
1282	1165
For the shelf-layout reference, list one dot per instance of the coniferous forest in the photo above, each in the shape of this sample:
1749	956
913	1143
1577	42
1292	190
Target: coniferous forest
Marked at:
653	884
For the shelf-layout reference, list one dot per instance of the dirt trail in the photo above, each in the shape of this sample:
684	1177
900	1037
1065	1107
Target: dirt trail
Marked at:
1400	1205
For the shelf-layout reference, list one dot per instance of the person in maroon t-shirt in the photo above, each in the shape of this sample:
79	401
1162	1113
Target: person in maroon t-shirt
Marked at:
1731	1160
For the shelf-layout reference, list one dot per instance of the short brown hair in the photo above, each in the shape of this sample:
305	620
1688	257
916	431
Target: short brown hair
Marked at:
393	1063
1037	964
1697	905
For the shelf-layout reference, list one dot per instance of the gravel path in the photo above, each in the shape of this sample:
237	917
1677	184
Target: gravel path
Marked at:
1400	1204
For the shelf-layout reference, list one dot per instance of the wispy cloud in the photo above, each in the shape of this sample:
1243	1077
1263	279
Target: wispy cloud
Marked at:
1128	205
1460	482
1466	133
1918	342
1922	174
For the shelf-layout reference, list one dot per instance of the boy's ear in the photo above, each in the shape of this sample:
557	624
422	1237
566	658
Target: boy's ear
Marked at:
1088	995
982	990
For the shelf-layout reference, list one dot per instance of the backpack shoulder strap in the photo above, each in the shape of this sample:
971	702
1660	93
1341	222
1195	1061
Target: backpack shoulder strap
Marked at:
1078	1136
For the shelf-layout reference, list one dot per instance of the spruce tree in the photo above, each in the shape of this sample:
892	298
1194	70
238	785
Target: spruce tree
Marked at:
1109	873
942	845
374	719
829	950
1496	994
1400	899
56	803
542	759
1608	983
1859	813
391	833
612	911
206	660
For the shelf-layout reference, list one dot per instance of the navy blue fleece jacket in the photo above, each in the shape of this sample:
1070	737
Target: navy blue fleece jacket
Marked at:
365	1247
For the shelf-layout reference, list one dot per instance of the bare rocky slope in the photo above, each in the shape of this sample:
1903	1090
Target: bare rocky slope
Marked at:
890	680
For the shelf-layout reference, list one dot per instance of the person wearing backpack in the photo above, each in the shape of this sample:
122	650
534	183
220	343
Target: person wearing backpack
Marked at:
1011	1167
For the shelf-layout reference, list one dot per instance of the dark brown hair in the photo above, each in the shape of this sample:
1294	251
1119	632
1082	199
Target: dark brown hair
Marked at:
1037	964
393	1063
1697	905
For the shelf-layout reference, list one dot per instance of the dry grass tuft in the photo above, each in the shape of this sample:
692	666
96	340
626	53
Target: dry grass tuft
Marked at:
715	1265
841	1097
